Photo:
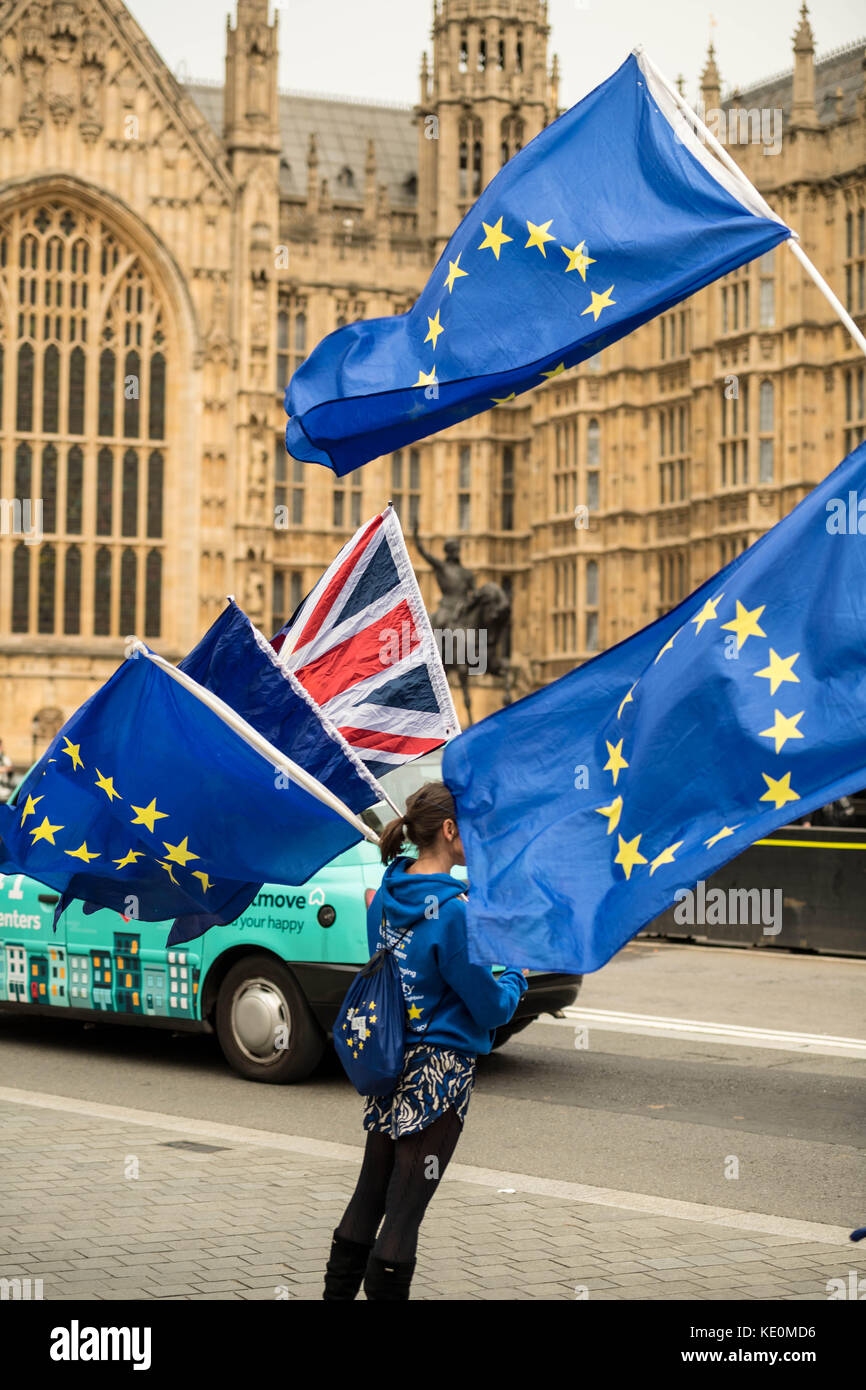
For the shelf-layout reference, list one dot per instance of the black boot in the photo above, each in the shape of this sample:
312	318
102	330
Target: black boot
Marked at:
388	1280
346	1265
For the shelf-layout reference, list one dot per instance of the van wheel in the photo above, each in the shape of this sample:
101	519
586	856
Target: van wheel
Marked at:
507	1031
264	1024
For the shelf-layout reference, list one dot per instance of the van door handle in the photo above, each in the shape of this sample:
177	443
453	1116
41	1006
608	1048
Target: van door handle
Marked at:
49	899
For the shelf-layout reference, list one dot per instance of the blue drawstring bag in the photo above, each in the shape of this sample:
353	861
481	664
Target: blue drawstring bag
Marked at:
370	1031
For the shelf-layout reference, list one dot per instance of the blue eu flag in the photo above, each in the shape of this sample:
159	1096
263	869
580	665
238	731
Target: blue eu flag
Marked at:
607	218
148	803
585	807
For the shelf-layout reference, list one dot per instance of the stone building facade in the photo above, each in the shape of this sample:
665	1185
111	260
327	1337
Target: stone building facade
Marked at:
170	251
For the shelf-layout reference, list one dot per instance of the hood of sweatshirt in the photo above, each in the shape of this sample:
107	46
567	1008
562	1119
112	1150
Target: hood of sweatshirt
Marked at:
406	897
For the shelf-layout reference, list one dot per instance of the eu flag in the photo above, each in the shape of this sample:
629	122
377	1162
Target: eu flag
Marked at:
584	807
611	215
148	803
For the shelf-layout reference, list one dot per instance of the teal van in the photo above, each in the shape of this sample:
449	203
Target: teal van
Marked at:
269	984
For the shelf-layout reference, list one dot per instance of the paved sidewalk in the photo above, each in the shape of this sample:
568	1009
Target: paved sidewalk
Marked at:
103	1207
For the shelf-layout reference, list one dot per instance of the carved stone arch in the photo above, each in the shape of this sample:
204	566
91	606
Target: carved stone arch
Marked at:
158	260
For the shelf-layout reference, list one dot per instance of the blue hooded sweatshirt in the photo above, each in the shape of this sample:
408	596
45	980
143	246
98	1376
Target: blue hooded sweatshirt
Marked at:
449	1001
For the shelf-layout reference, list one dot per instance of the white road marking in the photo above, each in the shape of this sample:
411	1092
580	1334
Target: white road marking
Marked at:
647	1204
698	1030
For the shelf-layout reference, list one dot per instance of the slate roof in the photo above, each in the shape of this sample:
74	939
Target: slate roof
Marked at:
842	68
342	129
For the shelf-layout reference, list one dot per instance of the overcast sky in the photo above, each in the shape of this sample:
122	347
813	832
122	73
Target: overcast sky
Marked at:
372	48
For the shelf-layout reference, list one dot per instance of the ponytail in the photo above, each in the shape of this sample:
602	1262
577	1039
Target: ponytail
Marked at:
392	838
427	810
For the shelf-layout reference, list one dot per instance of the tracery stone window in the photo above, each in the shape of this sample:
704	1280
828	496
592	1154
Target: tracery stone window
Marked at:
84	360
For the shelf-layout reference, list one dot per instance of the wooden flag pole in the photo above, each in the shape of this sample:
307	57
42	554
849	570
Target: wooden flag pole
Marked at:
722	154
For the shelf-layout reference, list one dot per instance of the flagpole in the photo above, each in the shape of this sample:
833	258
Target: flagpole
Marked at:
734	168
256	741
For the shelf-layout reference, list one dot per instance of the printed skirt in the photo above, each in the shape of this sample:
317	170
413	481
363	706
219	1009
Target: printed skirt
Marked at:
433	1080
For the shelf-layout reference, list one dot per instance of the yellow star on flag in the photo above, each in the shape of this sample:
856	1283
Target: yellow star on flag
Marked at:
557	371
435	329
666	648
784	727
599	302
454	273
148	815
613	813
107	785
205	881
29	807
779	790
626	700
629	855
538	236
578	260
745	624
503	400
81	853
779	669
180	854
707	613
74	751
426	379
415	1012
615	762
722	834
494	239
129	858
666	856
168	869
45	831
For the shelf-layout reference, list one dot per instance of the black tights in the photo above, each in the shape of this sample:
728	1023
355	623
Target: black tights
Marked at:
397	1179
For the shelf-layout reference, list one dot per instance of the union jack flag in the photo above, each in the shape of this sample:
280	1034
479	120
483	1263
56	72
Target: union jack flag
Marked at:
362	645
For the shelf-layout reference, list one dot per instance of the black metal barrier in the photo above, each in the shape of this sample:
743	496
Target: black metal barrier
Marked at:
799	889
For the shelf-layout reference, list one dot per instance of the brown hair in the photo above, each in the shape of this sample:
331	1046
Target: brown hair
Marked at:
426	812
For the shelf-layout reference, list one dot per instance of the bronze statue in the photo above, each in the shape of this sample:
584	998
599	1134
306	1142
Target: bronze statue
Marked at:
471	624
456	583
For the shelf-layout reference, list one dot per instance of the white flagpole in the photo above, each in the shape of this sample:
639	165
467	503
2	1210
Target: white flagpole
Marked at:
256	741
734	168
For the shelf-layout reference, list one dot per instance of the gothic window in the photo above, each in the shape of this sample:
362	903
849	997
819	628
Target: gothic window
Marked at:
766	429
129	494
153	594
507	516
21	588
127	591
734	443
104	492
74	490
102	592
414	495
47	571
154	496
855	261
470	135
90	365
72	591
855	407
464	495
49	489
767	291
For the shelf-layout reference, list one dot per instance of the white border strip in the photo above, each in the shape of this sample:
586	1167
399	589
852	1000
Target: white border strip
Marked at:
645	1204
